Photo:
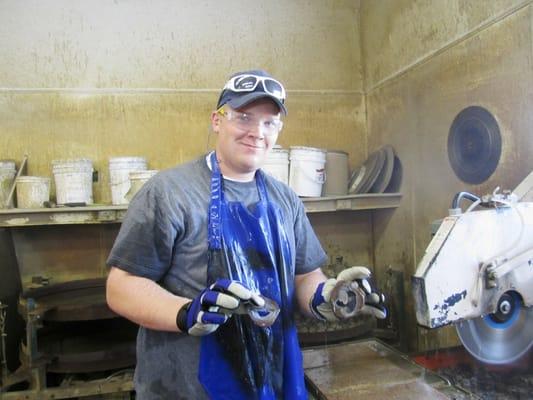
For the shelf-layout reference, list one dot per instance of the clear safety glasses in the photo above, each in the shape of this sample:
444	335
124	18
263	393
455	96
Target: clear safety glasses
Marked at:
248	83
246	122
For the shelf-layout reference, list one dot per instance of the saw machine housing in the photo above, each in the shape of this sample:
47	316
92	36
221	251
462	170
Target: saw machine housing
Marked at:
473	259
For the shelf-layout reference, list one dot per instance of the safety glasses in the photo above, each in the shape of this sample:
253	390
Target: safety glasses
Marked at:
247	122
248	83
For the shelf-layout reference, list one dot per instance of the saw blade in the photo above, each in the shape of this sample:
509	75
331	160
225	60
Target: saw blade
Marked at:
495	340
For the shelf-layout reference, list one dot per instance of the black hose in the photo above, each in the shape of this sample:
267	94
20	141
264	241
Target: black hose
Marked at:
463	195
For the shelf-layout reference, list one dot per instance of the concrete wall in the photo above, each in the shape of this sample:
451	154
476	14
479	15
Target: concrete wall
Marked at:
425	61
100	79
97	79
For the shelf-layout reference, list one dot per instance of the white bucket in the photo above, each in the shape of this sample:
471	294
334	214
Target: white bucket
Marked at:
32	191
307	175
119	173
336	173
7	175
137	180
277	164
73	180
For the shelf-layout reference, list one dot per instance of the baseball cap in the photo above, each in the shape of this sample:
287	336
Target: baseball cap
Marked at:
245	87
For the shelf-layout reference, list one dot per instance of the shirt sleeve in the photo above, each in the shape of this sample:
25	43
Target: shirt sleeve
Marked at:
144	245
309	252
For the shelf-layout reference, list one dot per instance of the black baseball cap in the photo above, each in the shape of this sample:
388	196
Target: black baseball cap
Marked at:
246	87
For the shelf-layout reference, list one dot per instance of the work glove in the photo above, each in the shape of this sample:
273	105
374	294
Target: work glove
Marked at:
203	315
359	278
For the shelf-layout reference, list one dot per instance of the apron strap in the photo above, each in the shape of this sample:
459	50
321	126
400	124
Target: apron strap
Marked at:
213	223
217	197
261	188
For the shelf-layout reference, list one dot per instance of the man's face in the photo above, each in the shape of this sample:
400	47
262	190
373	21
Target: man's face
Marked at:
243	137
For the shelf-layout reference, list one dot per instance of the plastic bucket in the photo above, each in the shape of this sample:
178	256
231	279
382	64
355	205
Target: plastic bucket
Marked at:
32	191
137	180
277	164
307	170
7	175
336	173
73	180
119	176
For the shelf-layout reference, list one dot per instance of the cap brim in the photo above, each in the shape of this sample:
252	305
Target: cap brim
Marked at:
241	101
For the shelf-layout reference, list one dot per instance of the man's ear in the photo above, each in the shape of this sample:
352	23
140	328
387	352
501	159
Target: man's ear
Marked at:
215	121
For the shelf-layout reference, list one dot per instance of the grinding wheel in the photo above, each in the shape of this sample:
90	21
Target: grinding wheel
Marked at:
502	337
474	145
396	178
374	165
384	176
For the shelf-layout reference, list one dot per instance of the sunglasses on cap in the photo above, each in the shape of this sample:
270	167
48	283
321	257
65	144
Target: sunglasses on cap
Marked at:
249	82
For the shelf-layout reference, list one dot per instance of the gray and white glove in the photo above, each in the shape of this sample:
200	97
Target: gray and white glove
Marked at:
374	301
203	315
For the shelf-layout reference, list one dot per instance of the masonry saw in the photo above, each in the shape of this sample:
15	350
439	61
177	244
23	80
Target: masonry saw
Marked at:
477	273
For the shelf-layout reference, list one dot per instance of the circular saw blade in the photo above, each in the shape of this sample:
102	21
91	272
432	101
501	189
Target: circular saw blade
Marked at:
498	342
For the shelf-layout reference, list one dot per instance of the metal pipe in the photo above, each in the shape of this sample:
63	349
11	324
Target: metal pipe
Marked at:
463	195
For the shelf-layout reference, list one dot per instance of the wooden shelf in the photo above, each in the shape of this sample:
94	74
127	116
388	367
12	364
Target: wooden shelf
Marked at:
103	214
97	214
354	202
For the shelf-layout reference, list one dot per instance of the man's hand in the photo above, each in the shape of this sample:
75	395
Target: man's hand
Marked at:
202	316
321	303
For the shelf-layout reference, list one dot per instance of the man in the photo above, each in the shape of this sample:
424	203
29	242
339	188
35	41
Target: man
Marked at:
208	254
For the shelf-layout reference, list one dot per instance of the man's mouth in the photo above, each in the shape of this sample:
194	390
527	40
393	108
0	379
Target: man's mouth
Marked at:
253	146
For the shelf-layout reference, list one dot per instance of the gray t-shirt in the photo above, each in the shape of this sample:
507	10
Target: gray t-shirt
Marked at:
164	238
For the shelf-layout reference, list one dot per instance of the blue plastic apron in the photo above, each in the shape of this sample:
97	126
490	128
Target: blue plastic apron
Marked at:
241	360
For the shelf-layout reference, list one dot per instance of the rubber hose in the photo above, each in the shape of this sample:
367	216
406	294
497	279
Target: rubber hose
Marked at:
463	195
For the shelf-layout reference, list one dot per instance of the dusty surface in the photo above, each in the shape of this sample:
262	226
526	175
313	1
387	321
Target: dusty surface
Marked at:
368	369
508	382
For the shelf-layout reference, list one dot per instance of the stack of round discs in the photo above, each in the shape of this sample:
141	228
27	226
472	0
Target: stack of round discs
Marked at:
380	173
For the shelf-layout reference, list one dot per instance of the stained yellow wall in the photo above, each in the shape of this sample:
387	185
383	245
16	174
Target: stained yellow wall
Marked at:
425	61
98	79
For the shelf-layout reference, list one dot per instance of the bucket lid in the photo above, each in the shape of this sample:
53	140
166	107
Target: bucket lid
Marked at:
303	148
308	154
278	151
144	174
7	164
72	161
80	165
344	153
28	178
133	159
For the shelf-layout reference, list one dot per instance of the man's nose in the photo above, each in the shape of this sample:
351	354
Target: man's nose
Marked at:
257	130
